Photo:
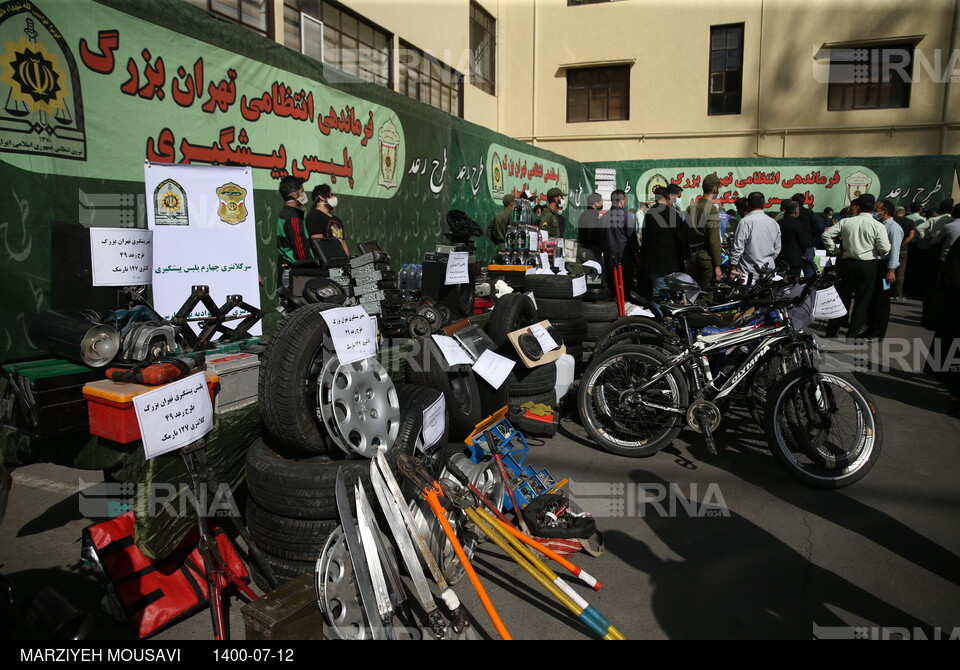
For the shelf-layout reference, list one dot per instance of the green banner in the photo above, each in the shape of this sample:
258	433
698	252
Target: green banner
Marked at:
90	89
824	182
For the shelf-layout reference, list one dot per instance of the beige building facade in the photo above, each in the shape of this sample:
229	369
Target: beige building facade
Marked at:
635	79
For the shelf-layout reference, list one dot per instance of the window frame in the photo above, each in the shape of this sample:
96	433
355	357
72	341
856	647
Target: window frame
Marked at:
481	81
576	86
335	39
724	93
428	65
897	95
267	31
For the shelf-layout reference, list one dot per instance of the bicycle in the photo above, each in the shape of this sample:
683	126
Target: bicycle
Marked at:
822	427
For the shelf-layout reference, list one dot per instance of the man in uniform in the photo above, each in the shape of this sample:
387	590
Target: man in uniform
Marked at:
701	234
551	219
498	227
589	225
864	240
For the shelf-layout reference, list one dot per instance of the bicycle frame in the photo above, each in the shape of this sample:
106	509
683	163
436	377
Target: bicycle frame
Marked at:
770	337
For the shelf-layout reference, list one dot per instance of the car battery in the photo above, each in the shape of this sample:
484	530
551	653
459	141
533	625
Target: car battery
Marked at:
44	398
239	375
110	408
289	612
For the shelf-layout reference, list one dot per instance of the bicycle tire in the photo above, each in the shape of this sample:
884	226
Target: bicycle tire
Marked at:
823	447
610	407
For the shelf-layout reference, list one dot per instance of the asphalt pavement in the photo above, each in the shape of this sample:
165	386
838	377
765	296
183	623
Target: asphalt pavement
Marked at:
695	546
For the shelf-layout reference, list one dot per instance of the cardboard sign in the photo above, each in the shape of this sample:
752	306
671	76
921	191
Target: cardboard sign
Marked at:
458	268
121	256
174	415
354	338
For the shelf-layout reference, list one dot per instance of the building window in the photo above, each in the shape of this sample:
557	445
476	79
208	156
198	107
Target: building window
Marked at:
483	49
424	78
870	78
726	69
339	38
598	94
254	14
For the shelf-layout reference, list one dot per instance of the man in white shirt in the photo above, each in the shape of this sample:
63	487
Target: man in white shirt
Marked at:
756	243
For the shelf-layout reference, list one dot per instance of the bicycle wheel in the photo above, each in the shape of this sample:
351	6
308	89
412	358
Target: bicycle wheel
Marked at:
623	419
823	427
772	368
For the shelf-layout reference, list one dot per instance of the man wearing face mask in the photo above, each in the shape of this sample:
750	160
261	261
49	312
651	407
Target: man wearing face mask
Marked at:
293	242
701	234
551	220
321	221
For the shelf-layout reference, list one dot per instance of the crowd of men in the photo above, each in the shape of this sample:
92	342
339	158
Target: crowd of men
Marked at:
871	242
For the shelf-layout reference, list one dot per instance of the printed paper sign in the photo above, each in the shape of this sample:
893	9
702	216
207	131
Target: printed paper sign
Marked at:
434	421
544	235
544	261
121	256
174	415
493	368
579	286
458	270
547	343
828	304
203	234
452	352
354	335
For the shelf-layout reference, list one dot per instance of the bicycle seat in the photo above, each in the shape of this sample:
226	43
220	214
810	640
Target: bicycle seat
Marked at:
679	282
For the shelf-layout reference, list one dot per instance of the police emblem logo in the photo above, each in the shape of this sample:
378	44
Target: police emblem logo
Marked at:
497	175
232	208
42	111
170	204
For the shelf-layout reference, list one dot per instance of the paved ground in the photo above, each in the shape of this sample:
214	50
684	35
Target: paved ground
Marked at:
880	558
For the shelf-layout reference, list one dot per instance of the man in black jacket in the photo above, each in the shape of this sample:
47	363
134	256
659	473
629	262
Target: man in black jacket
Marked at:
809	220
794	237
662	252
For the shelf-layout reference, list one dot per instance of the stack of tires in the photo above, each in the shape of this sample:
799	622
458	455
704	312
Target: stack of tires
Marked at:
292	470
512	312
600	315
554	295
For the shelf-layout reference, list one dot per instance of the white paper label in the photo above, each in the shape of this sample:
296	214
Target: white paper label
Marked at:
353	333
547	343
434	420
121	256
534	241
544	236
174	415
493	368
828	304
579	285
458	270
595	265
452	352
544	261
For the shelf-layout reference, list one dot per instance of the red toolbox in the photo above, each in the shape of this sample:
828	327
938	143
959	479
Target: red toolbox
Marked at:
110	408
